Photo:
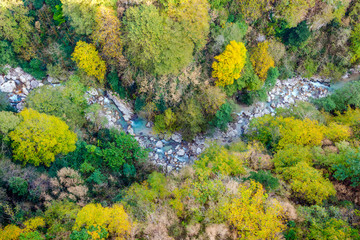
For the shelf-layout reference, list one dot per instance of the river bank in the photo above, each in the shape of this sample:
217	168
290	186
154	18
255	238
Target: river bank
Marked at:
171	152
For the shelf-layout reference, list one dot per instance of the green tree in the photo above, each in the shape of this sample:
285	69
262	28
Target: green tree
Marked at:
154	42
40	137
15	26
82	13
55	101
194	17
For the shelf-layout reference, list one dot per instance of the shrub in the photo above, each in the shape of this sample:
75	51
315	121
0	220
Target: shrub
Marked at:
340	99
290	156
229	64
8	122
307	183
223	116
251	217
217	159
7	55
349	169
295	36
18	186
39	138
333	228
267	180
355	44
336	132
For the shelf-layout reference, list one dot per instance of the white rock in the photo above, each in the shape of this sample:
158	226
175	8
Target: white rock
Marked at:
169	168
34	84
22	79
2	79
131	132
124	107
198	151
8	87
93	92
25	91
148	125
176	137
159	144
181	152
170	151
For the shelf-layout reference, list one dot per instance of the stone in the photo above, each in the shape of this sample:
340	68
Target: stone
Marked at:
176	137
93	92
159	144
131	132
34	84
8	87
198	151
169	168
2	79
123	106
148	125
170	151
181	152
25	91
22	79
52	80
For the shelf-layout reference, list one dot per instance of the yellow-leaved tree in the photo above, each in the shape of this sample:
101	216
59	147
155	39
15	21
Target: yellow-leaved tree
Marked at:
194	17
229	64
114	219
261	60
254	217
88	59
107	34
40	137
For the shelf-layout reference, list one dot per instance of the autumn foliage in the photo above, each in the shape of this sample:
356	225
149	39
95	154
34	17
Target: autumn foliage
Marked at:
87	58
229	64
40	137
261	60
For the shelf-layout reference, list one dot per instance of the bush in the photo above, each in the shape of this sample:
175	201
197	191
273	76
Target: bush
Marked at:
261	60
223	116
36	68
290	156
308	184
7	55
340	99
349	169
267	180
18	186
217	159
355	44
295	36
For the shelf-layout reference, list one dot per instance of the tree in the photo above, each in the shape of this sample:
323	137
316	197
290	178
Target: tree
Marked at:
261	60
252	216
355	44
87	58
155	42
107	34
15	26
114	219
8	122
193	16
82	13
54	101
229	64
190	118
40	137
307	183
252	10
294	11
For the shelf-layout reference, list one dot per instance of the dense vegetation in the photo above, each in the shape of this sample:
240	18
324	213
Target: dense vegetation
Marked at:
184	65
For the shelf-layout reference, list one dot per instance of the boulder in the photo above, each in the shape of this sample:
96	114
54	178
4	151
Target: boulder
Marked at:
159	144
181	152
176	137
123	106
8	87
2	79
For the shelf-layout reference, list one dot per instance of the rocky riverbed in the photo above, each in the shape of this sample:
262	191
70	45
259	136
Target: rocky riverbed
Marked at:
172	152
